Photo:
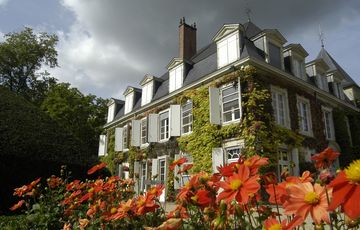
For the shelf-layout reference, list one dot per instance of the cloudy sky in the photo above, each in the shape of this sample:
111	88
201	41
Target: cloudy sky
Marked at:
106	45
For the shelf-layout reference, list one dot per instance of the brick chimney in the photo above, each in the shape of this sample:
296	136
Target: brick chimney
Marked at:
187	40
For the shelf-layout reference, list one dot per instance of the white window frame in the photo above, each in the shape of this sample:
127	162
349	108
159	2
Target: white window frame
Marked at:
143	144
144	178
190	116
185	177
283	92
299	69
147	93
111	113
160	160
129	102
233	148
328	124
125	140
167	137
306	102
224	44
176	77
233	119
282	162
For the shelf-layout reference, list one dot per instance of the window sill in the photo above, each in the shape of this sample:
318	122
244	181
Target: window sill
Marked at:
164	140
185	134
143	146
309	134
230	122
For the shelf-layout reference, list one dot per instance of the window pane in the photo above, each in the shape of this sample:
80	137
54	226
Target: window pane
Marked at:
229	90
231	105
233	47
274	53
222	56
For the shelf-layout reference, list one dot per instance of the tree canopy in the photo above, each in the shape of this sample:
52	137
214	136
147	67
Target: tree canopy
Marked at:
23	55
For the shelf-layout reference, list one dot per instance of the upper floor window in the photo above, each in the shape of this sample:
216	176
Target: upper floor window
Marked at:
298	68
275	55
329	125
338	89
228	50
147	93
186	117
111	113
164	125
230	102
322	82
305	126
143	134
176	78
280	106
129	102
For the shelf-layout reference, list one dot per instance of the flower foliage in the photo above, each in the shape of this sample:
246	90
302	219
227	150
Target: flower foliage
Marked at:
235	197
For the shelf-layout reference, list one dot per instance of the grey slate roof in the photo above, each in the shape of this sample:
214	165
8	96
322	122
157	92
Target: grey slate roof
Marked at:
333	65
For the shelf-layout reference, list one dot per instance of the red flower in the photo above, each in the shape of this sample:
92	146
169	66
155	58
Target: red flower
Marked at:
269	178
96	168
157	190
346	190
145	204
17	205
54	181
202	198
255	162
178	212
177	162
185	168
239	186
305	198
325	158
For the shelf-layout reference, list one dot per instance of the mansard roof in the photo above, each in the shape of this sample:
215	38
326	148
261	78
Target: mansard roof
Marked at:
334	66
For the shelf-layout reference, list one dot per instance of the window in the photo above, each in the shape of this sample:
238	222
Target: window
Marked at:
143	131
328	122
233	154
129	101
280	106
274	55
176	78
147	93
185	177
347	123
125	138
228	50
164	126
111	113
230	103
283	161
298	68
162	171
186	117
322	82
304	116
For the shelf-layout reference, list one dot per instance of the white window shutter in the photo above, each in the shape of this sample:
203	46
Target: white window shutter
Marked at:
176	170
120	171
214	96
217	158
154	168
175	120
118	139
153	128
295	159
102	145
135	132
137	171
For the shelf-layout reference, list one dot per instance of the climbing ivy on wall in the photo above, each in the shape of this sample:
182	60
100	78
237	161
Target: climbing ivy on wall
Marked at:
111	155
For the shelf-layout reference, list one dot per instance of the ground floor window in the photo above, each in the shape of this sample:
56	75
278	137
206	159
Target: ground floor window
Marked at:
233	154
144	175
283	161
162	171
185	176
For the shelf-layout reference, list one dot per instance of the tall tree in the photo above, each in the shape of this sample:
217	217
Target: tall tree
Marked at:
22	57
82	115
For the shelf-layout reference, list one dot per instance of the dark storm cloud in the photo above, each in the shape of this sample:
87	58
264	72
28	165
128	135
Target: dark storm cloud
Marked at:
124	40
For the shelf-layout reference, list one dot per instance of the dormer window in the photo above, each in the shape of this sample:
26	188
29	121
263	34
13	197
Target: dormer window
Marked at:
294	60
129	102
298	68
275	55
317	70
335	84
111	112
176	76
228	49
147	93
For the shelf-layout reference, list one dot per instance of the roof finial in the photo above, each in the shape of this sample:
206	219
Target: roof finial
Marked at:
248	10
321	36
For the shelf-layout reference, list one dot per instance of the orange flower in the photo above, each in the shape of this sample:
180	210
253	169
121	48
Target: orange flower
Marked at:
269	178
185	168
255	162
96	168
325	158
178	212
239	186
157	190
145	204
346	190
17	205
170	224
273	224
305	198
54	181
177	162
83	223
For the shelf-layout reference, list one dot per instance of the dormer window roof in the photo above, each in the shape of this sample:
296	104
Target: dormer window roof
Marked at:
114	106
130	98
317	69
228	44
